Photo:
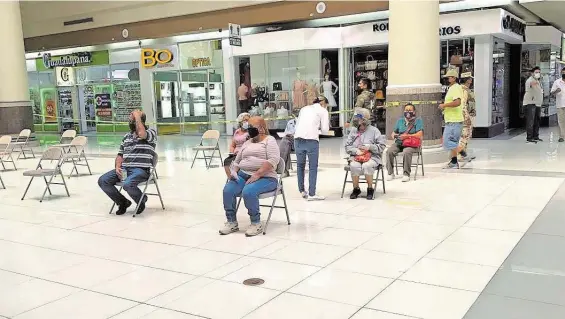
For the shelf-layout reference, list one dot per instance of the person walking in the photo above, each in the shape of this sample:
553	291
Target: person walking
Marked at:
469	114
311	119
558	89
533	99
453	117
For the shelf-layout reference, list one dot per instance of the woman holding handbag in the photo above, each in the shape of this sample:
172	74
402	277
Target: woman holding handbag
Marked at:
365	145
407	135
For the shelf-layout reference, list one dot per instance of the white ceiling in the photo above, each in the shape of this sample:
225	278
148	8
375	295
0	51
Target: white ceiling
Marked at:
549	10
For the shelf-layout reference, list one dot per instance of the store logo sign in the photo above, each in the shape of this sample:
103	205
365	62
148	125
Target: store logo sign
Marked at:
514	25
201	62
443	31
65	76
67	60
156	58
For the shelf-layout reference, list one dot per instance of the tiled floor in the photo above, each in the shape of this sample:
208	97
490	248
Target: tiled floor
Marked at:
437	248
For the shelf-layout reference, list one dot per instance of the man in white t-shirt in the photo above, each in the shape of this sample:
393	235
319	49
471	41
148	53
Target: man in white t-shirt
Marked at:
558	89
311	120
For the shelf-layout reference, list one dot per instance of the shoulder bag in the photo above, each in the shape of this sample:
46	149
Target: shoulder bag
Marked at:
364	157
411	141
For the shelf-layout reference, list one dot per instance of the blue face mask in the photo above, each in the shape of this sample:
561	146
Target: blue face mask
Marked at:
245	125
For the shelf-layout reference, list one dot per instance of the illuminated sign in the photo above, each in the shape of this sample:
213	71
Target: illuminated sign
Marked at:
201	62
156	58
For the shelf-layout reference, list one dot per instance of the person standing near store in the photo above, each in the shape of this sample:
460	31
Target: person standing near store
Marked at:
558	89
311	120
533	99
365	99
453	117
469	114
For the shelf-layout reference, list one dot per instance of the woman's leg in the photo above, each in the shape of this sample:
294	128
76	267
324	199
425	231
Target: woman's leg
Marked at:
369	170
250	194
355	168
232	189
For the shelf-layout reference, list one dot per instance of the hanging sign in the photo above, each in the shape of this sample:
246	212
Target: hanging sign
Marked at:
235	34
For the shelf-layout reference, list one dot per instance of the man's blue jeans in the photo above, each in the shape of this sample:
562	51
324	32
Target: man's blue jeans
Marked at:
135	176
310	148
250	194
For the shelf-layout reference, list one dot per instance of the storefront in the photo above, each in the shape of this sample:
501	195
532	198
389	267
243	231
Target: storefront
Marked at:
86	91
290	69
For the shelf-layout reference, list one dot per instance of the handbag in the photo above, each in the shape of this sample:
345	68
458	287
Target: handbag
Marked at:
411	141
456	59
370	64
277	86
363	158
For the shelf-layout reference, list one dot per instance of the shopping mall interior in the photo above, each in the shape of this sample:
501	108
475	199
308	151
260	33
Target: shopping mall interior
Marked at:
483	240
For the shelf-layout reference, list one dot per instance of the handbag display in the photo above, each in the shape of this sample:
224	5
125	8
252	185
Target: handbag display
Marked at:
363	158
371	63
277	86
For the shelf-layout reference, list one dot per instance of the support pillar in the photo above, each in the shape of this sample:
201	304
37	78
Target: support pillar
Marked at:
414	65
16	111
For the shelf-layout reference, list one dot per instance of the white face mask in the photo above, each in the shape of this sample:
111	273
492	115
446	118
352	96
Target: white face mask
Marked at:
537	75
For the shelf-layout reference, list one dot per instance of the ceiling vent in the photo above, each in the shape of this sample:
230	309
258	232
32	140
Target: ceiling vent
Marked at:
79	21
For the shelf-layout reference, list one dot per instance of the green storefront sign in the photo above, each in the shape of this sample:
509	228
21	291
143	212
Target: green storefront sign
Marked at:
49	62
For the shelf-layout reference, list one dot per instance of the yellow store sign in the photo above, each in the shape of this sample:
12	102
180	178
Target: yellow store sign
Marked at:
151	58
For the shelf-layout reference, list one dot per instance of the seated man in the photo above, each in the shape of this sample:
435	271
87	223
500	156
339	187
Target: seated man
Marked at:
256	165
133	164
286	144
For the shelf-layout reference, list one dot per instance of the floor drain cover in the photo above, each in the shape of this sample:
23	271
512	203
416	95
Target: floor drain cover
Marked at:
253	282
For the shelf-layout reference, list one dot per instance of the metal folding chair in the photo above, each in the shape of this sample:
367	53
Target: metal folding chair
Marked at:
152	180
52	154
212	136
274	194
419	162
2	183
65	140
6	154
76	154
22	144
380	171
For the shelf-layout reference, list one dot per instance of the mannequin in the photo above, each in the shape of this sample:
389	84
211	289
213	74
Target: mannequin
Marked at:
242	91
311	92
328	90
298	90
282	113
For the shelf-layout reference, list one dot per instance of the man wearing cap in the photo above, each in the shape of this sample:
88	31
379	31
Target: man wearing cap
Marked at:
453	117
469	114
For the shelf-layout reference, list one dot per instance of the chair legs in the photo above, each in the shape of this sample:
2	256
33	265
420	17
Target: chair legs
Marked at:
2	183
27	188
194	159
380	172
270	213
208	159
344	182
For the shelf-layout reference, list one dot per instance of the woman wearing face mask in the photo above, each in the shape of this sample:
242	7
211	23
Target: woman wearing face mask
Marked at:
255	173
365	145
407	135
239	137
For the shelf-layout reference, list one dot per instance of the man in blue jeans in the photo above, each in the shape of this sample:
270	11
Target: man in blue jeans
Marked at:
133	164
311	120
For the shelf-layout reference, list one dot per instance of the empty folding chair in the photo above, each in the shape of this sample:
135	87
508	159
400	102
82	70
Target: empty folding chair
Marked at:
65	141
6	151
76	154
21	144
52	154
212	138
152	180
379	174
274	194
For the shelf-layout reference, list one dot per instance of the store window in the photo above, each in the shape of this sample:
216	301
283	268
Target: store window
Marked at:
273	85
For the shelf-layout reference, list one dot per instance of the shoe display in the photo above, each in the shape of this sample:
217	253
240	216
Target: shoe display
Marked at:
405	178
229	227
356	192
123	208
370	193
316	197
254	230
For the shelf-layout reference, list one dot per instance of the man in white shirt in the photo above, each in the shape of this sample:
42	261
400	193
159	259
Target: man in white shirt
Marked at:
558	89
311	120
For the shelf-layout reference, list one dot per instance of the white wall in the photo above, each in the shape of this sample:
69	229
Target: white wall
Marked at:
543	35
483	80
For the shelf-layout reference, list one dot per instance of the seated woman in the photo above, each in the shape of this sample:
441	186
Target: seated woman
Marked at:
240	136
365	145
255	165
407	135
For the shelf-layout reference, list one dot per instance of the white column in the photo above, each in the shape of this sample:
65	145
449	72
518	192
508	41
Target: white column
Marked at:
13	72
230	83
483	80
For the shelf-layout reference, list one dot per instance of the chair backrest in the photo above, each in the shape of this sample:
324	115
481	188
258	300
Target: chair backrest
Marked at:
211	134
53	154
69	133
5	140
24	134
79	141
281	166
155	160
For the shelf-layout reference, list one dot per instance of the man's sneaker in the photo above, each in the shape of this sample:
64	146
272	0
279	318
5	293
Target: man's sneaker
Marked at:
531	141
229	227
123	208
467	158
451	165
304	195
315	197
254	230
405	178
370	193
390	177
539	139
356	192
561	140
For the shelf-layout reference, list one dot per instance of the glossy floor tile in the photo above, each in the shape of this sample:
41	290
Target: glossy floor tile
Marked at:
449	245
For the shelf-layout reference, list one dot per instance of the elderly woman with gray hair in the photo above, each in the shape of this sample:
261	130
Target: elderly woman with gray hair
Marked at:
240	136
365	145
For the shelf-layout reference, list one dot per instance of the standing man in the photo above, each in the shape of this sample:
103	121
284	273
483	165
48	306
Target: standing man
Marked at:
133	164
558	89
469	114
453	117
533	99
312	119
365	98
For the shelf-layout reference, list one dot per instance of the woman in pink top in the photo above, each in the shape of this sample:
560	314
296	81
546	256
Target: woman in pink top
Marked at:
255	166
240	136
